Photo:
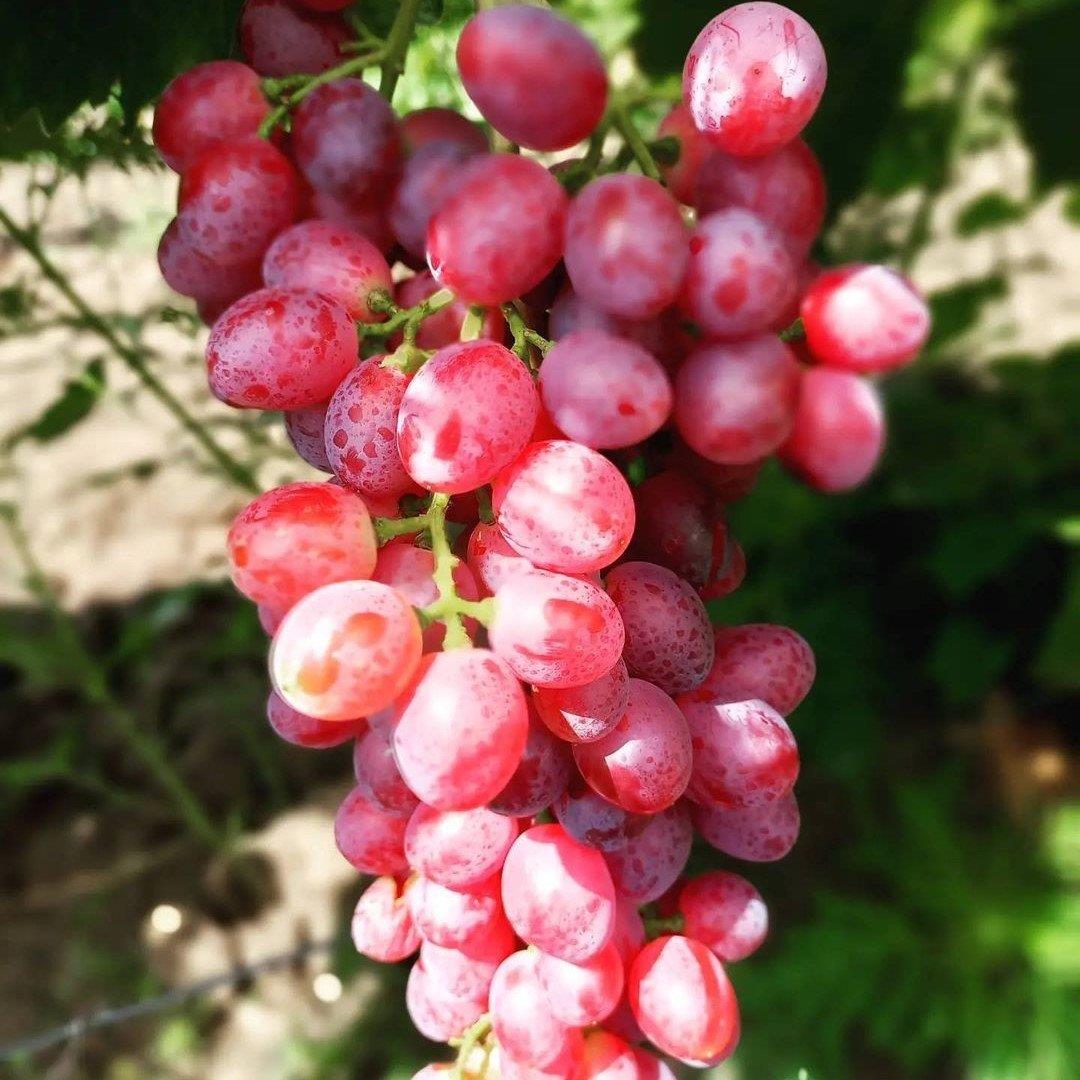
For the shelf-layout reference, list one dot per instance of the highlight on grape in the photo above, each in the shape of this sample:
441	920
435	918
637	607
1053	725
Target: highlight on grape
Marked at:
535	389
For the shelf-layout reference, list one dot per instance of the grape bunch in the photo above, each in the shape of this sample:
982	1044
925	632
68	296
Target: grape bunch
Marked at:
480	348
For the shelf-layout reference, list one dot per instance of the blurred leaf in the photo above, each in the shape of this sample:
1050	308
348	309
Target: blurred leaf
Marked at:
972	549
1072	205
80	395
1058	663
967	661
987	212
955	311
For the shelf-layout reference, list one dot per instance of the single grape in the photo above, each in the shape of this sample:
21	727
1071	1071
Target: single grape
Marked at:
345	650
361	430
675	518
604	391
453	918
651	860
557	894
270	618
305	430
582	994
621	1023
564	507
606	1056
761	660
466	414
369	838
729	483
444	327
301	730
280	349
377	774
757	834
369	217
492	559
643	765
466	973
728	571
541	775
278	39
741	278
587	712
683	1000
210	283
382	927
754	77
626	246
345	140
437	1015
564	1067
593	820
725	913
459	848
500	233
535	77
681	177
629	935
864	319
839	430
668	637
735	402
426	126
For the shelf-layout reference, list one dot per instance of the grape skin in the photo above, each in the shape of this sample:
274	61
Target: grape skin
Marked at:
725	913
369	838
757	834
436	1015
300	730
587	712
651	860
459	849
466	973
377	774
541	776
277	39
210	283
368	217
582	994
674	527
492	559
452	918
382	927
681	177
436	124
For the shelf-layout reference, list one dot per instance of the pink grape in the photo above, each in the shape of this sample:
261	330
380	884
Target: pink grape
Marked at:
582	994
452	918
587	712
593	820
744	752
220	101
564	1067
675	525
621	1024
785	189
460	848
735	402
864	319
694	147
280	349
500	232
270	619
430	175
754	77
301	730
668	637
741	278
361	430
603	391
466	414
629	935
564	507
345	650
382	927
554	630
426	126
345	140
235	198
729	483
725	913
643	764
492	559
377	774
332	260
368	217
292	539
839	430
626	246
369	838
305	429
278	39
683	1000
557	894
541	775
444	327
728	572
189	273
466	973
761	660
461	729
650	862
504	57
437	1015
756	834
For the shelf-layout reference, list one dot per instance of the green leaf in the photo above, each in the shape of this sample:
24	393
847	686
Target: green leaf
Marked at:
987	212
967	660
955	311
80	395
972	550
1058	662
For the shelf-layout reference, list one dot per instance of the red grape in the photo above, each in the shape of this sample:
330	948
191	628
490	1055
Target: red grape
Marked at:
492	559
682	177
382	927
210	283
760	660
728	572
629	934
593	820
305	429
438	1015
674	525
756	834
541	775
582	994
325	5
377	774
426	126
459	848
368	217
651	860
444	327
587	712
278	39
725	913
455	919
300	730
466	973
369	838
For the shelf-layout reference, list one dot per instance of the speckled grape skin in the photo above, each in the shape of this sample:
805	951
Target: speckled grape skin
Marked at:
361	430
441	125
541	775
377	774
592	820
754	77
500	232
345	650
292	539
214	102
278	39
668	637
345	140
643	764
461	729
741	278
235	198
452	918
626	245
683	1000
674	525
681	178
864	319
564	507
332	260
760	660
300	730
587	712
438	1016
725	913
554	630
368	217
557	894
505	59
305	429
744	752
444	327
650	862
604	391
839	430
785	189
187	272
491	558
466	973
582	994
735	402
369	838
280	349
458	849
467	413
382	927
758	834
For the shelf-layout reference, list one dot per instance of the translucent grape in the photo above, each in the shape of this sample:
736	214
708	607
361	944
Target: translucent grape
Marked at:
444	327
541	775
629	935
305	428
587	712
437	1015
682	177
459	849
377	774
651	860
675	525
728	572
725	913
761	660
369	838
382	927
301	730
593	820
757	834
491	558
426	126
466	973
582	994
279	39
452	918
191	274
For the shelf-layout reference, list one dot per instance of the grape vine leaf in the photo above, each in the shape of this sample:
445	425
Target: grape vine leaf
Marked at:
78	398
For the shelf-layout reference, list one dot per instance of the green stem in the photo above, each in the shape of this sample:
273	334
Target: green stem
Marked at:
387	528
636	144
793	332
471	1039
406	319
131	356
524	336
659	926
446	608
397	45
